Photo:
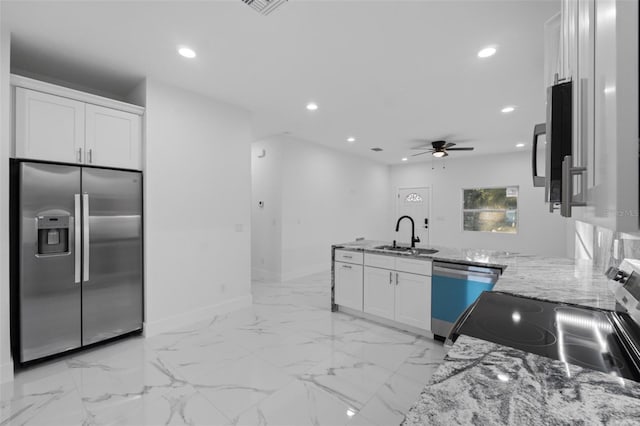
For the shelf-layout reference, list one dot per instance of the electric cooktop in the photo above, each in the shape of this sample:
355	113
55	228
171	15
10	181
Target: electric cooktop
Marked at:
601	340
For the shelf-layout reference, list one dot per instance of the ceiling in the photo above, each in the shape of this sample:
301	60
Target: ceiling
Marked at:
385	72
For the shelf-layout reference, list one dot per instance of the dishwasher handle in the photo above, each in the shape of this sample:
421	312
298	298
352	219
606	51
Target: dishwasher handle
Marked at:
465	274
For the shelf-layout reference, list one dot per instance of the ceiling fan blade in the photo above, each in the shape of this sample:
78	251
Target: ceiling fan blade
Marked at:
460	149
448	145
421	153
422	147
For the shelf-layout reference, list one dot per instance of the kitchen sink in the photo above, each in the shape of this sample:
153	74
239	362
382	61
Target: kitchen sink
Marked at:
408	250
392	248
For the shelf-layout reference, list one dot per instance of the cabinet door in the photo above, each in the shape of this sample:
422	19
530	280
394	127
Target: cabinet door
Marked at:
348	285
48	127
379	291
113	138
413	300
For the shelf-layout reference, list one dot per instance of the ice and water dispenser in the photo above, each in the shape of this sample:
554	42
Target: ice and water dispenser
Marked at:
53	234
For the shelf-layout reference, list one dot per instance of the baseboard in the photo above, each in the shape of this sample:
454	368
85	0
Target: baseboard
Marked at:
386	322
6	372
264	275
154	328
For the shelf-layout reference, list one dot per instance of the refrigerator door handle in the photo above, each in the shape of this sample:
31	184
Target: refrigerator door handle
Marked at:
77	235
85	237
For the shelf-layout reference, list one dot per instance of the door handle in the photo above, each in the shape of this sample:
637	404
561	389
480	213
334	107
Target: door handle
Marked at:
90	155
396	278
79	155
85	237
390	278
77	219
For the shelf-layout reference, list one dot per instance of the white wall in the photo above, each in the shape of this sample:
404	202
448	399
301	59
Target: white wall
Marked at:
539	232
6	365
197	207
326	197
266	221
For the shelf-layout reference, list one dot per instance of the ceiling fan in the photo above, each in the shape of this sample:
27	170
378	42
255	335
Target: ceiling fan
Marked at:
439	149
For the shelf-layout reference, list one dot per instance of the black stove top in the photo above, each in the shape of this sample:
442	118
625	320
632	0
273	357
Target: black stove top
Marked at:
597	339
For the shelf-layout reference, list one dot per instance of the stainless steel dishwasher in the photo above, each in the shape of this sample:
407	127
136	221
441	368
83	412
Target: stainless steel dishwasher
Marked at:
454	287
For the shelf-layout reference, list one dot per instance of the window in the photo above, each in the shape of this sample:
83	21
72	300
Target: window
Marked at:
413	198
490	209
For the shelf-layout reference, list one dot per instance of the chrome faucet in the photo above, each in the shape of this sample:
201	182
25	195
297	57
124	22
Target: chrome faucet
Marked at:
414	239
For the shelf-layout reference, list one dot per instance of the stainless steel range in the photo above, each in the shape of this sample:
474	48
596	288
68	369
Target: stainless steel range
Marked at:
598	339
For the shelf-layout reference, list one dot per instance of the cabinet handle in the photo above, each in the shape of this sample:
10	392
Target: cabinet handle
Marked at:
396	278
79	155
567	186
90	155
347	257
346	266
390	278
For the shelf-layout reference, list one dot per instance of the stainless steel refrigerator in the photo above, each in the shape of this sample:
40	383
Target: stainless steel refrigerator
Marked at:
76	257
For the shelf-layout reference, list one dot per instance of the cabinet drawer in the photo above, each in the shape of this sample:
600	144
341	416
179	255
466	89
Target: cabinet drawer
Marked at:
380	261
414	266
348	256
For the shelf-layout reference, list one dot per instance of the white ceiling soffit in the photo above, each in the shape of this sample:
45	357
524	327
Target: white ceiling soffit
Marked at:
384	72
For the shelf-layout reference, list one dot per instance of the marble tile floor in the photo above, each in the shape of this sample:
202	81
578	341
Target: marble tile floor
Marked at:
287	360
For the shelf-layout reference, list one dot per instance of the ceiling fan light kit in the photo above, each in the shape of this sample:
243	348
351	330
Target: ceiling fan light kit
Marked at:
440	148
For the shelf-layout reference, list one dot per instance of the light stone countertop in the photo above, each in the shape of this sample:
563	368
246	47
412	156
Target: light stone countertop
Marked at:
466	388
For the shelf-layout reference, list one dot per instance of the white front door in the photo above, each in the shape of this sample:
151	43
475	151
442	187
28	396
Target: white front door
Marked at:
413	202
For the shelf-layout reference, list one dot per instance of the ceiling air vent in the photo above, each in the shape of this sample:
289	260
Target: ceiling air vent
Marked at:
376	149
265	7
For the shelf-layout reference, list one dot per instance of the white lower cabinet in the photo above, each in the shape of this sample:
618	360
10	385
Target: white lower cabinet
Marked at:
398	296
348	285
379	291
413	300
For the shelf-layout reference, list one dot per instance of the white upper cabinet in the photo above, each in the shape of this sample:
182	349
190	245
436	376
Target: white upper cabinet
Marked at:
53	123
612	157
599	45
112	137
48	127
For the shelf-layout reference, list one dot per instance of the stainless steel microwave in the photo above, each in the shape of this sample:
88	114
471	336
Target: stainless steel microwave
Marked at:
558	132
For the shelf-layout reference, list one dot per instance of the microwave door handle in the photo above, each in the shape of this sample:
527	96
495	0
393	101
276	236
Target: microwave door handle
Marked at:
538	130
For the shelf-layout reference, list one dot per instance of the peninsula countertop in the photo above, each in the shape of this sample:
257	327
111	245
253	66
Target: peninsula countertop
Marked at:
486	383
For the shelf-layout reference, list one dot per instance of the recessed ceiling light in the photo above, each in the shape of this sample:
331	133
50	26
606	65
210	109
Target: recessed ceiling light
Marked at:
508	109
404	158
486	52
312	106
520	145
187	52
351	139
